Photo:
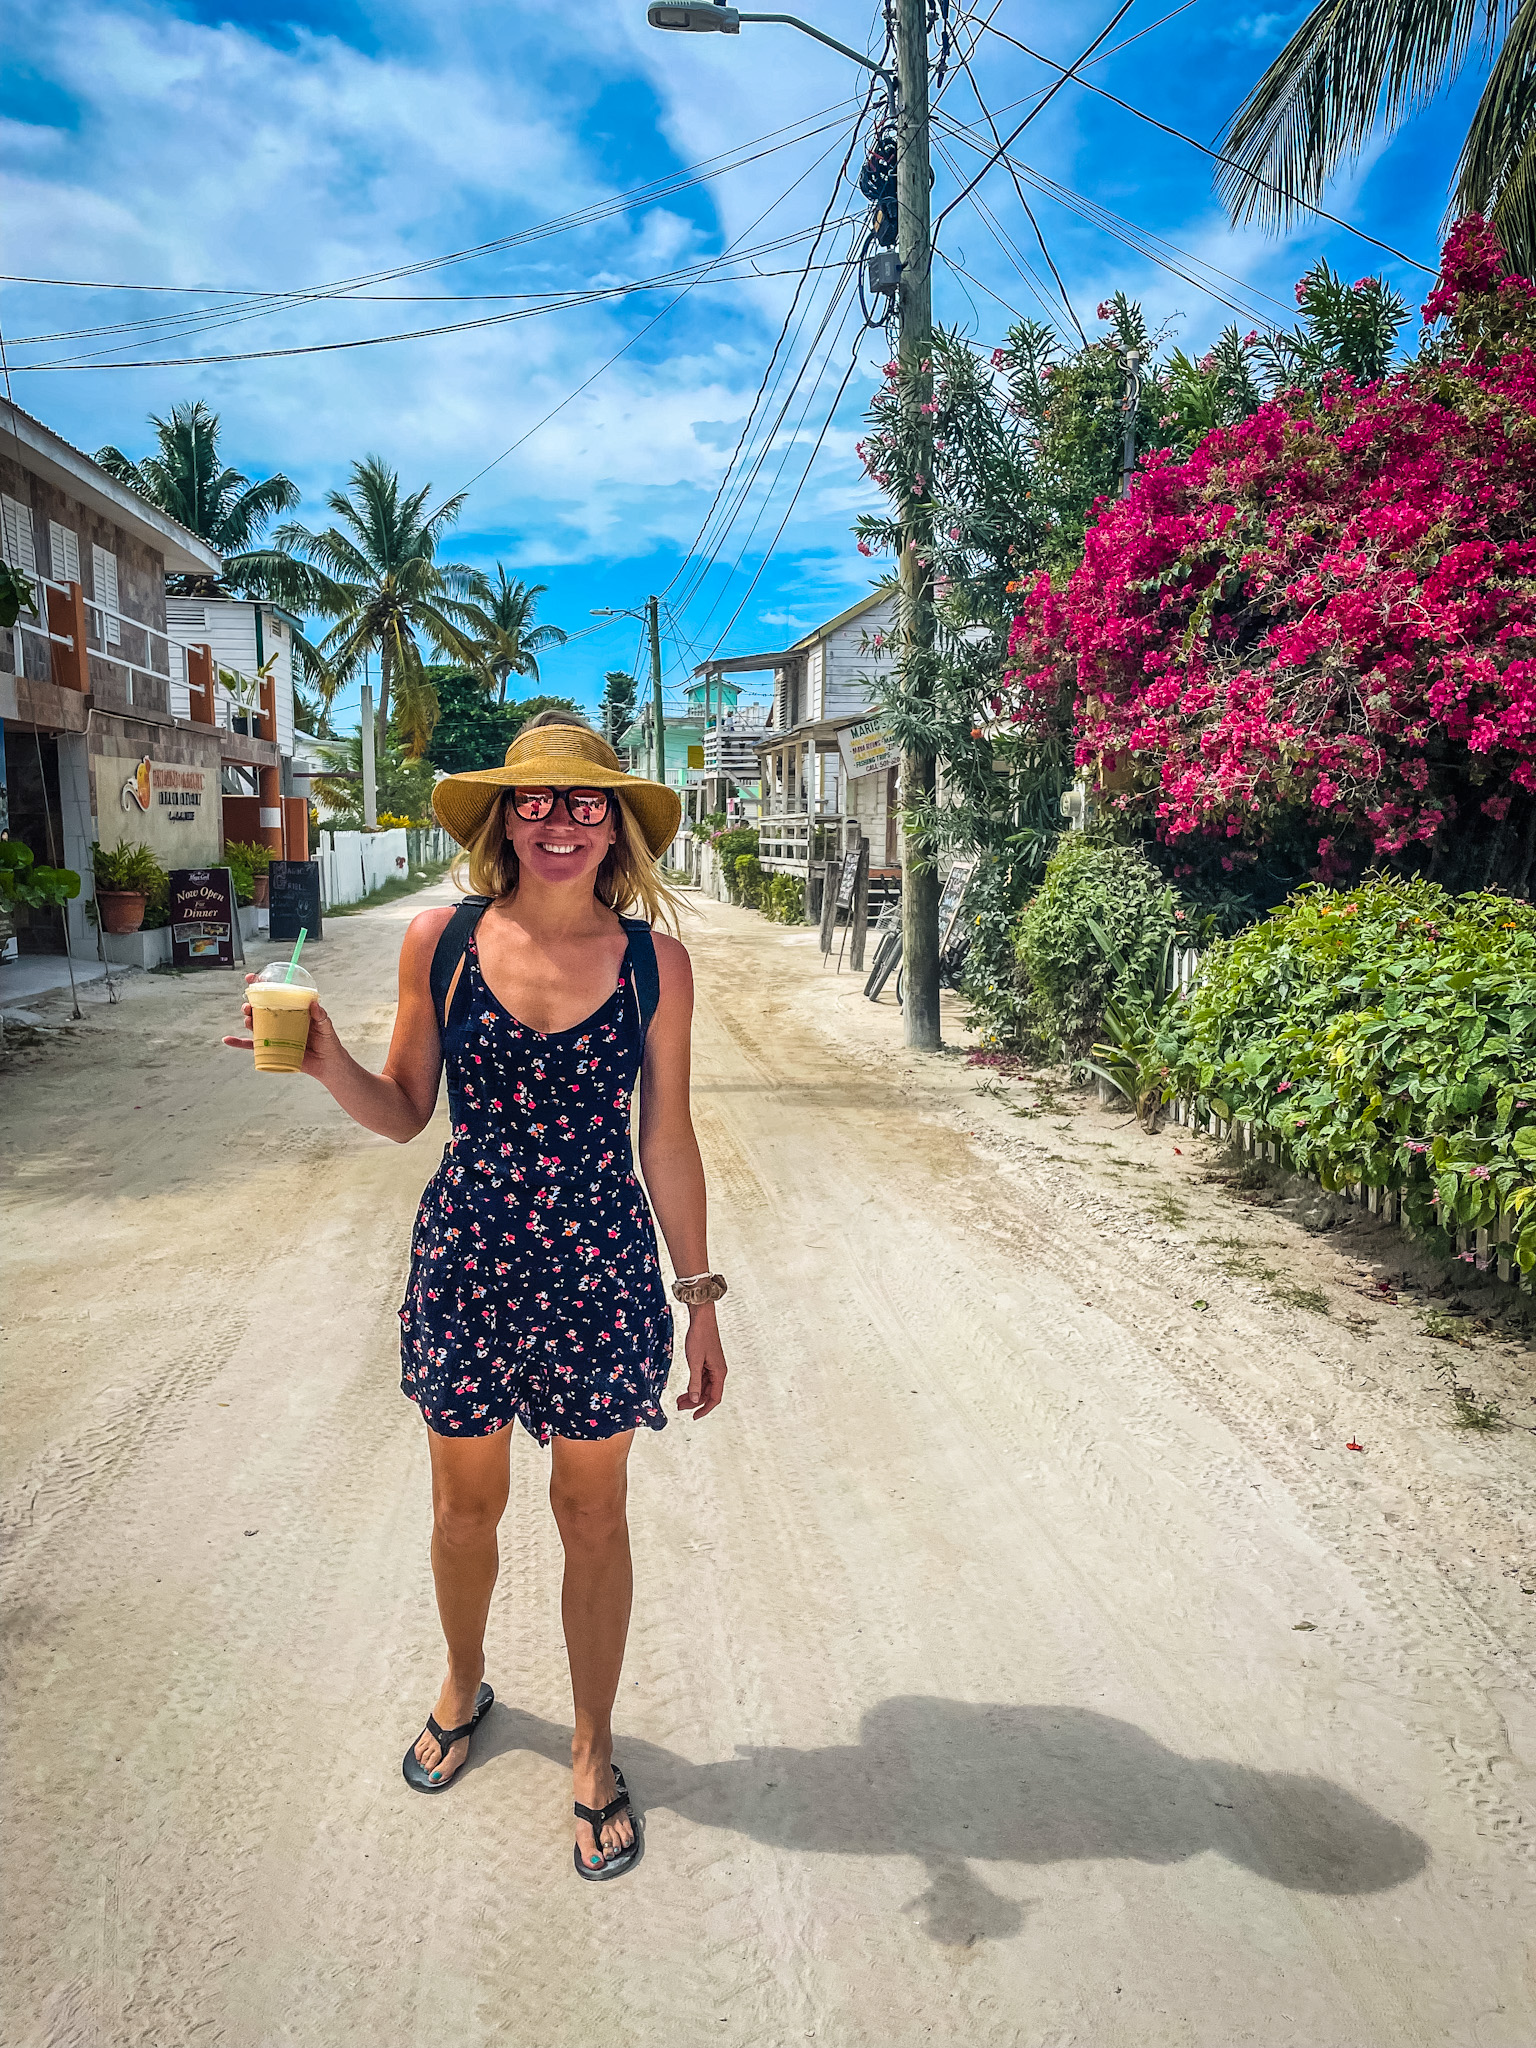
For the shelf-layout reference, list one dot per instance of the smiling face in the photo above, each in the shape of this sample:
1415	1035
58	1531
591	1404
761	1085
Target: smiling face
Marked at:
556	849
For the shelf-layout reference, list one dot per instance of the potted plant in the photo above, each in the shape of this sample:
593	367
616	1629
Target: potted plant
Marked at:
126	877
248	861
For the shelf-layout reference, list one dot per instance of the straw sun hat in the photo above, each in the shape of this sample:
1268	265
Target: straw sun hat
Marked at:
556	757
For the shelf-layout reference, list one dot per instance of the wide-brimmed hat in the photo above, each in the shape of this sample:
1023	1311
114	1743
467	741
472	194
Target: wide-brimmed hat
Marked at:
556	757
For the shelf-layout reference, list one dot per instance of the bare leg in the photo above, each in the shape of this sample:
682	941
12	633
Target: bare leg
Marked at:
471	1477
587	1490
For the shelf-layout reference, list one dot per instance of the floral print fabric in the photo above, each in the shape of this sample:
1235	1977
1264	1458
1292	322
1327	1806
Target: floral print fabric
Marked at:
535	1289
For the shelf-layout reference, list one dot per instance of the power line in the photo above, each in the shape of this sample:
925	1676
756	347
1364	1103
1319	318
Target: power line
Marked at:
1019	189
634	338
1039	108
1215	155
697	273
768	370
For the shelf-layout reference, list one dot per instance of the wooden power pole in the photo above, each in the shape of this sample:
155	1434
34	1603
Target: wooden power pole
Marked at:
658	720
914	306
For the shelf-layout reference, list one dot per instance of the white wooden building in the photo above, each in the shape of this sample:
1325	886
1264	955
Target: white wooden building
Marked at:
244	634
823	761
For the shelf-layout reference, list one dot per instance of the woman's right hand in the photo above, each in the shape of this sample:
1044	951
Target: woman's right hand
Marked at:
322	1054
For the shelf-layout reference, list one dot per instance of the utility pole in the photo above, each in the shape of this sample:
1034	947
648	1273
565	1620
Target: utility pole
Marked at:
659	723
914	308
1130	362
370	780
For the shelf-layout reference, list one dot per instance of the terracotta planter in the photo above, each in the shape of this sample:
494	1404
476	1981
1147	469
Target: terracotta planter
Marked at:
259	885
120	910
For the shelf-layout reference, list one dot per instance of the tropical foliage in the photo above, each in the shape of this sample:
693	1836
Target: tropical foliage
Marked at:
616	707
27	884
375	572
1383	1035
501	623
1316	636
402	783
473	731
1101	924
186	479
1354	63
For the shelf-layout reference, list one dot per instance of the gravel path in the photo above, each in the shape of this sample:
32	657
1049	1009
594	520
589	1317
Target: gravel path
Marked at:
1019	1657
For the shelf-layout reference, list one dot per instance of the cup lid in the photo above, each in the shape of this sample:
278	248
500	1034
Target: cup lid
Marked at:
276	973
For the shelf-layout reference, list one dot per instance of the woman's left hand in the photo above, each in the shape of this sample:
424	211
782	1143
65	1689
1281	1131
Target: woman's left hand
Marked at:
706	1363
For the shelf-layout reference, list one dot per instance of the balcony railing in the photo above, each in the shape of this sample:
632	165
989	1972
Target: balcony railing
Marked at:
243	700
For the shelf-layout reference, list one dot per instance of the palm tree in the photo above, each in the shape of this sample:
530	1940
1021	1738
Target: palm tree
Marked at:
1351	60
220	505
510	643
376	573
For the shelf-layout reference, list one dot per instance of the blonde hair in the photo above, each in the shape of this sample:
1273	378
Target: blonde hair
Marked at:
628	881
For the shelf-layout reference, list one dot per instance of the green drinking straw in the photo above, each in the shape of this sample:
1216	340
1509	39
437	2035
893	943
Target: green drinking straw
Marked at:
298	949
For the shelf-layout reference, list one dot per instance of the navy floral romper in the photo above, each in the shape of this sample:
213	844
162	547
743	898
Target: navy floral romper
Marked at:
535	1288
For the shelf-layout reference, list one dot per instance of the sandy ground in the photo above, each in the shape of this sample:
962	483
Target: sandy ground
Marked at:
1019	1658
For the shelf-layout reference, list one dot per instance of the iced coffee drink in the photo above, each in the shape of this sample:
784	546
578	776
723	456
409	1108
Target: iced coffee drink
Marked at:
280	999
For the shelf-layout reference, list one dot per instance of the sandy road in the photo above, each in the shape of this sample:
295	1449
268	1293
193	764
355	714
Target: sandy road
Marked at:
965	1694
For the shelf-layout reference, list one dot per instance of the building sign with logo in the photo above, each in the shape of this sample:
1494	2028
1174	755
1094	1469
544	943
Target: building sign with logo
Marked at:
867	748
173	809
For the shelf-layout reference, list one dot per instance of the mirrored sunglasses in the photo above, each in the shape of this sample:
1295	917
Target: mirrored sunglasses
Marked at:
582	806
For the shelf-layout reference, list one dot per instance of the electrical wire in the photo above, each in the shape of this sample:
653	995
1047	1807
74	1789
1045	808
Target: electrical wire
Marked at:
1142	240
1215	155
692	274
1019	189
1038	109
666	187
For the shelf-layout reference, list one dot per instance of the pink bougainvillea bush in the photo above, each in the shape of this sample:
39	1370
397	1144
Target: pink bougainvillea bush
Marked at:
1324	620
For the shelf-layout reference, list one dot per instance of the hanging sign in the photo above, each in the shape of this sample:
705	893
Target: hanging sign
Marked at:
204	931
867	748
293	900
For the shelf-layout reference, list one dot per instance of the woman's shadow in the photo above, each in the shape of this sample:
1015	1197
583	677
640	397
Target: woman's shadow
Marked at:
951	1784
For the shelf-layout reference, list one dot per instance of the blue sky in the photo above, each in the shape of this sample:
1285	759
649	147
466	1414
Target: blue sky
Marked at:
234	147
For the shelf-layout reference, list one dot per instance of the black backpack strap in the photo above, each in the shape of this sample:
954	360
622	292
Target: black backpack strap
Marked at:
455	936
642	951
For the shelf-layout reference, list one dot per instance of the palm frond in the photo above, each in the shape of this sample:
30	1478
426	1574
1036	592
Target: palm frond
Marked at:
1350	63
1496	173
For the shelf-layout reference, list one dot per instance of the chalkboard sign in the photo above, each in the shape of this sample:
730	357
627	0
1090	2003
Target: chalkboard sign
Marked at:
293	899
203	928
847	880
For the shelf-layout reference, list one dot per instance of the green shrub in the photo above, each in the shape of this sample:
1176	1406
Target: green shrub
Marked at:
729	845
784	899
1066	973
24	885
750	879
133	867
1384	1035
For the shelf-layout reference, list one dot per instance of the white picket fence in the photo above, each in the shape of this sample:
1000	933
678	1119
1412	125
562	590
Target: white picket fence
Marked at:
1489	1249
354	864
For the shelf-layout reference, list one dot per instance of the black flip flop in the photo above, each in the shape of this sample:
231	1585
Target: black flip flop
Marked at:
415	1772
596	1817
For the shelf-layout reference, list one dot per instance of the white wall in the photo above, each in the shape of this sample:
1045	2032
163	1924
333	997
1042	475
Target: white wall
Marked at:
228	626
846	660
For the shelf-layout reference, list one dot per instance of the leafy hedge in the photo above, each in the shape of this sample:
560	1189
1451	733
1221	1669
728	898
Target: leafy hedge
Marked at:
1066	977
1384	1035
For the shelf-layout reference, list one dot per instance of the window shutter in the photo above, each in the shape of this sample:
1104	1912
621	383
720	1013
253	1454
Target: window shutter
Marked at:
104	589
63	553
20	550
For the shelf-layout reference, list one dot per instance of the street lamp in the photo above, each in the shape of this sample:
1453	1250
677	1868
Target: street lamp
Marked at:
713	17
906	276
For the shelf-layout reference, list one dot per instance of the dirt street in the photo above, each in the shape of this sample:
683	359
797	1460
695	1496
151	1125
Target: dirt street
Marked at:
1019	1658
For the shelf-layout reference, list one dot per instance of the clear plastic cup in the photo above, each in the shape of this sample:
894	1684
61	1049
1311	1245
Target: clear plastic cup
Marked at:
280	1001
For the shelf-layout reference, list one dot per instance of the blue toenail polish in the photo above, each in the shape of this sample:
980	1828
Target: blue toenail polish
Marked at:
594	1859
435	1776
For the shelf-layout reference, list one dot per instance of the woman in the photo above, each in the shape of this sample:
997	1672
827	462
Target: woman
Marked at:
535	1290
